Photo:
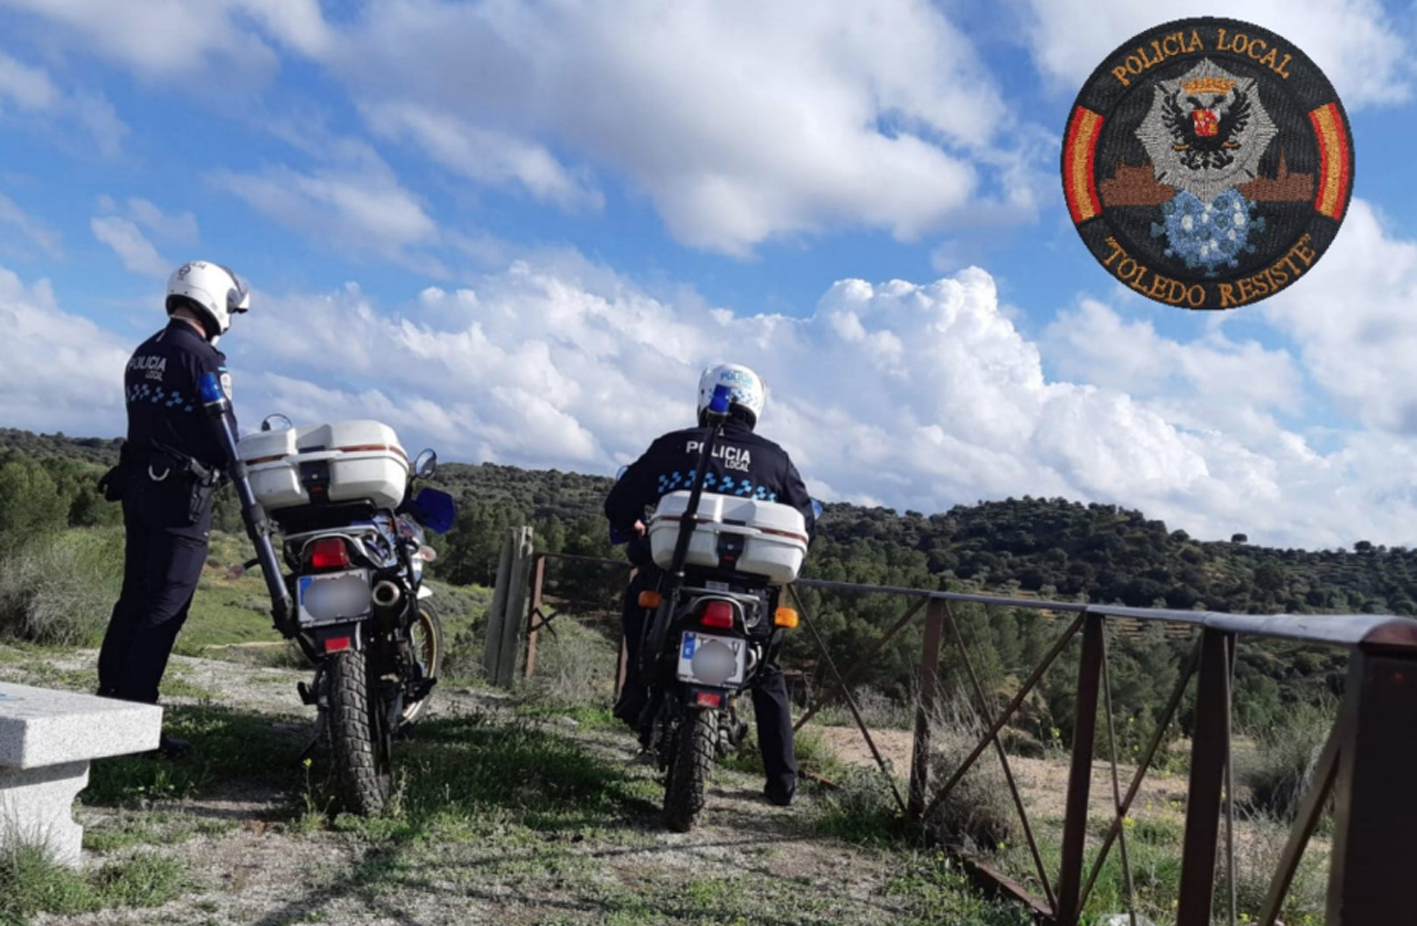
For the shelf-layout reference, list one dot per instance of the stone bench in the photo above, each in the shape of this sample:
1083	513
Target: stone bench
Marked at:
46	741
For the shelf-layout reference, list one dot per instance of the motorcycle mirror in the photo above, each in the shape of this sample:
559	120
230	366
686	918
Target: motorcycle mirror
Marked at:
276	423
620	472
816	508
425	464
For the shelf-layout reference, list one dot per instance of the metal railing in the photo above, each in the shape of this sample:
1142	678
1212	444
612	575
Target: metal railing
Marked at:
1367	771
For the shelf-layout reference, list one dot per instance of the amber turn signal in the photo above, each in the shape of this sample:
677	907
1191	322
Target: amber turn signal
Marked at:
650	599
785	617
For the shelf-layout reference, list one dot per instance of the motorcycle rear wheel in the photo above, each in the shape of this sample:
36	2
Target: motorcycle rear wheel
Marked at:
689	770
362	763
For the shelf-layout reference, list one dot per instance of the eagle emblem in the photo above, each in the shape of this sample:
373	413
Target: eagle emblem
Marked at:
1206	133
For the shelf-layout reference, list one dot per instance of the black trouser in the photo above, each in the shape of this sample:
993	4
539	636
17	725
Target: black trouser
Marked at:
161	566
770	703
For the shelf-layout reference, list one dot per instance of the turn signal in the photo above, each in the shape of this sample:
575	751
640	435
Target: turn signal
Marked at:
785	617
650	599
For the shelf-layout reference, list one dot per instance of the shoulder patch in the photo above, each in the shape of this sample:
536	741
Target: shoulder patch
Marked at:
226	384
1207	163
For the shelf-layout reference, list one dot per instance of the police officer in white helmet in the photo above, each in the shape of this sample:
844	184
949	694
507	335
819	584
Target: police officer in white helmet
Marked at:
170	467
747	465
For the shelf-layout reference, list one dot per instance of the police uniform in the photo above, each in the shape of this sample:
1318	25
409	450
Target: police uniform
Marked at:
169	470
745	465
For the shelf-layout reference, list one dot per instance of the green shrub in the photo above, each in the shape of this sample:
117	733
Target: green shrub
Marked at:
977	815
861	808
61	591
1287	757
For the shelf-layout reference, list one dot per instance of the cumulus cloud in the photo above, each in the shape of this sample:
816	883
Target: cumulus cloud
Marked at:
1354	42
919	396
742	120
1352	318
69	381
130	244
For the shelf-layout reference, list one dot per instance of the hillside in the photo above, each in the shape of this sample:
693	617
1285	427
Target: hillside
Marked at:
1052	547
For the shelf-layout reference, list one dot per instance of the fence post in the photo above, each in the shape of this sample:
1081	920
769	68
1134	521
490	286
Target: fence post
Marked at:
925	710
1080	774
514	620
538	578
496	612
1210	751
1375	814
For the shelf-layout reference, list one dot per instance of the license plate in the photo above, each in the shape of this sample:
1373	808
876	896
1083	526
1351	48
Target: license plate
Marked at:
708	660
334	597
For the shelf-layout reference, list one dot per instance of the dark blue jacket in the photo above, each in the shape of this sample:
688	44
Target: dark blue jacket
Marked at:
743	464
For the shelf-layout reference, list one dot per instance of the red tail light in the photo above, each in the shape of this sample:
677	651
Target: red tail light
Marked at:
335	644
717	614
330	553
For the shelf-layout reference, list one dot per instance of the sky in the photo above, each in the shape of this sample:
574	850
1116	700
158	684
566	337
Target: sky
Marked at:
517	230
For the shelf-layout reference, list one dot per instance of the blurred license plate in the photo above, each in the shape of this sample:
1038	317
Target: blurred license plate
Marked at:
332	597
710	660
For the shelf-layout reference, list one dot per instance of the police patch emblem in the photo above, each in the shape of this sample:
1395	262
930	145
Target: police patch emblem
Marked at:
1207	163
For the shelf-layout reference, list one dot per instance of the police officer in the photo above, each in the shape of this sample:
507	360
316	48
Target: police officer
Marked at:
169	469
743	464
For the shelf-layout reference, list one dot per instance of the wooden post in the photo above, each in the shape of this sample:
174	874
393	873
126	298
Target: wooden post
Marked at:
538	578
518	577
1210	750
497	612
925	710
1080	776
1371	869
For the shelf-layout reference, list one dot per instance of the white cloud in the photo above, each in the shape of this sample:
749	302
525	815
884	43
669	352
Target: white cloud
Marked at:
129	243
26	87
363	209
36	232
487	156
62	372
179	228
168	38
1363	52
1352	318
742	120
921	396
31	90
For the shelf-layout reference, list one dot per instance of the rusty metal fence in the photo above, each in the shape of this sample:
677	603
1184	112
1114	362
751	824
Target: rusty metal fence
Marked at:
1367	772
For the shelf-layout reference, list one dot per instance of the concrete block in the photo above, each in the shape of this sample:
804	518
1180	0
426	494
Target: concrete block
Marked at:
46	741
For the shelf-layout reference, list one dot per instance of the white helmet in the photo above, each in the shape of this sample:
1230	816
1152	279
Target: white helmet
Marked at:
213	291
749	394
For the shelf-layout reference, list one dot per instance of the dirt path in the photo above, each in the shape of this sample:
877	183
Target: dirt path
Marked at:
252	856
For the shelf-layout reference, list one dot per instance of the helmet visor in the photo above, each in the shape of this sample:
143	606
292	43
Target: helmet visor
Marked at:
238	298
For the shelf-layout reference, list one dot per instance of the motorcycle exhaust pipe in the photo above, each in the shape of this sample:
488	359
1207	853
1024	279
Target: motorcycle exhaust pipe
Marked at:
386	595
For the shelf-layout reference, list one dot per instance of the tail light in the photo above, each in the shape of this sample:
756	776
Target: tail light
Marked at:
717	614
330	553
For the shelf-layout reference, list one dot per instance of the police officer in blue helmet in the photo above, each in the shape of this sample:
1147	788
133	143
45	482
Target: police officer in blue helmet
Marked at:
169	469
745	461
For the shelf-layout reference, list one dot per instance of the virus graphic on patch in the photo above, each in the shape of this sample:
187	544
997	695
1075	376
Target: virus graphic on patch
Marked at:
1208	235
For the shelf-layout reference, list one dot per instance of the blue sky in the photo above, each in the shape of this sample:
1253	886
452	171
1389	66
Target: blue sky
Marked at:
518	230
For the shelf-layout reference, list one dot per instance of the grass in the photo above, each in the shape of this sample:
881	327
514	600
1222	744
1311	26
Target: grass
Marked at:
227	745
30	883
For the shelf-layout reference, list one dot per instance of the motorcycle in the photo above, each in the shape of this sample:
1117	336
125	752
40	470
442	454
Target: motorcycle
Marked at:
725	560
347	586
